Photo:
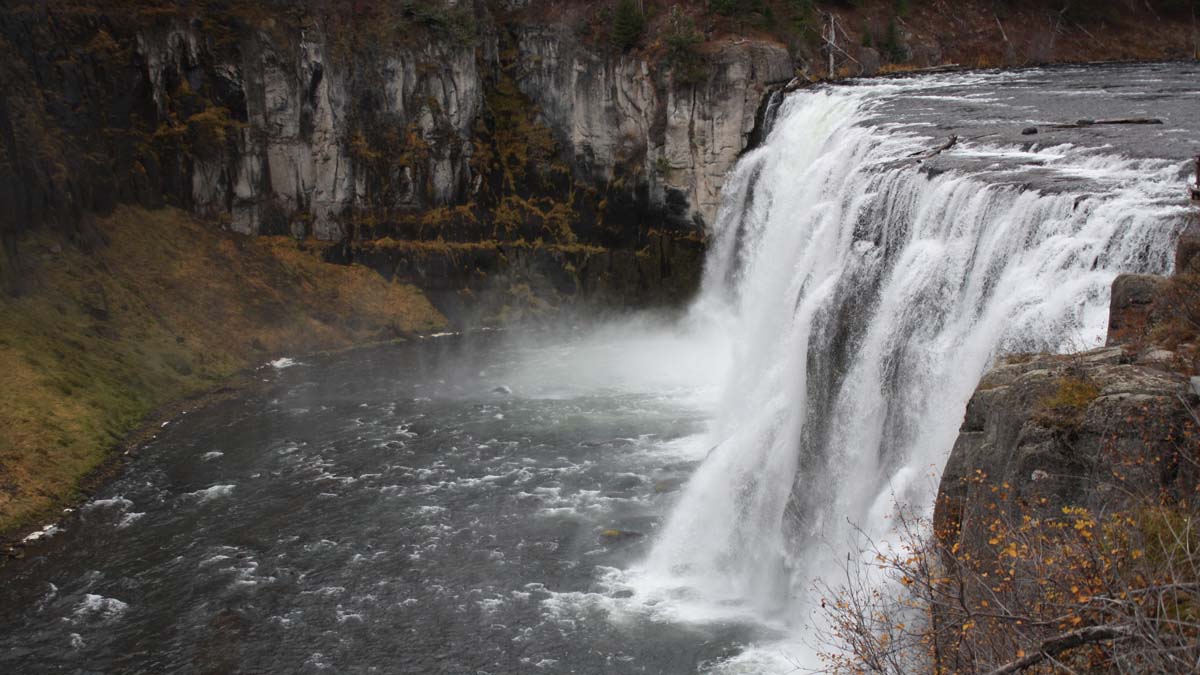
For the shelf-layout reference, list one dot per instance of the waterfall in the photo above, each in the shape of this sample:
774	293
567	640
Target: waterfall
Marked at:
865	296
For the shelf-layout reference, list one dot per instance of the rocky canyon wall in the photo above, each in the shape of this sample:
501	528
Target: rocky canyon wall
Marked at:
424	122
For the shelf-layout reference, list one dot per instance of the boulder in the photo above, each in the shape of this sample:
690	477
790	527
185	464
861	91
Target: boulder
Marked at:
1079	430
1187	249
1132	307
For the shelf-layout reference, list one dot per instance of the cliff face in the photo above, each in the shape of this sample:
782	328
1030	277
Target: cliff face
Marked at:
459	121
679	140
1084	431
297	160
271	124
447	122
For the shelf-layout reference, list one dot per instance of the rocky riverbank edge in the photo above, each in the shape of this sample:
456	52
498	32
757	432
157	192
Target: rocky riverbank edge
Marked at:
156	306
18	542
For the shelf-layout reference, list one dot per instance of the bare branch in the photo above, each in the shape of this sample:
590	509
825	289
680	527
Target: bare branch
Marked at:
1060	643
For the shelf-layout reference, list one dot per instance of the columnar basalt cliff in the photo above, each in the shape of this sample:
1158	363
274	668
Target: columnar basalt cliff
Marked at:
677	141
380	129
387	125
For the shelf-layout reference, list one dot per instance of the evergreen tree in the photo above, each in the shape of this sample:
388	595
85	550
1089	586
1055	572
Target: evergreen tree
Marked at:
628	24
893	49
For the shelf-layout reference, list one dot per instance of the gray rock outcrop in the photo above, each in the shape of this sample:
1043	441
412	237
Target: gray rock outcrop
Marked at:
289	163
615	110
1091	430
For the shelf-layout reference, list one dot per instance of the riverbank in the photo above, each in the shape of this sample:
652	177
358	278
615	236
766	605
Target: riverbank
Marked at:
148	307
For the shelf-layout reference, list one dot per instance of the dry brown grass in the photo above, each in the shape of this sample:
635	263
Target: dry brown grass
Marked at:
169	307
450	247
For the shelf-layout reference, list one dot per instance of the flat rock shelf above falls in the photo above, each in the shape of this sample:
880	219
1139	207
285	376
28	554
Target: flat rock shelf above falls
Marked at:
449	505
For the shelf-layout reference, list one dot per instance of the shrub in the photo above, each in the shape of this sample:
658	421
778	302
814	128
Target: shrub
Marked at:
741	9
892	47
804	17
726	7
1180	308
209	130
1010	581
1076	591
455	22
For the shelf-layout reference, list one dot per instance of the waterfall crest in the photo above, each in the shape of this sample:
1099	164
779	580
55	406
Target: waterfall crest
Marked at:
865	296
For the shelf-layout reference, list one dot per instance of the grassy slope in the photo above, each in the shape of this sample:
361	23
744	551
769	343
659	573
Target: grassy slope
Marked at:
166	308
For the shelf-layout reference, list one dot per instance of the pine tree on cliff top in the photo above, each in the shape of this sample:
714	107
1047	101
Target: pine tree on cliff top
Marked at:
628	24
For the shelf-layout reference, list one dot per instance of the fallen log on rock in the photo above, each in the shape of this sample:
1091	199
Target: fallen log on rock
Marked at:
797	83
1079	124
950	143
1054	646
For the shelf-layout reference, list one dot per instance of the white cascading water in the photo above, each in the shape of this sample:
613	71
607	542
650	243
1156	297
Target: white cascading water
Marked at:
865	298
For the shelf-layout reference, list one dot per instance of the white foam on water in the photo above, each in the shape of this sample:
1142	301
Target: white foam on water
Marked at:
345	616
319	661
491	604
129	518
210	493
99	607
118	502
42	534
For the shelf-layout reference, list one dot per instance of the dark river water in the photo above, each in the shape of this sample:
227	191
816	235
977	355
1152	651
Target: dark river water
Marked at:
447	506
